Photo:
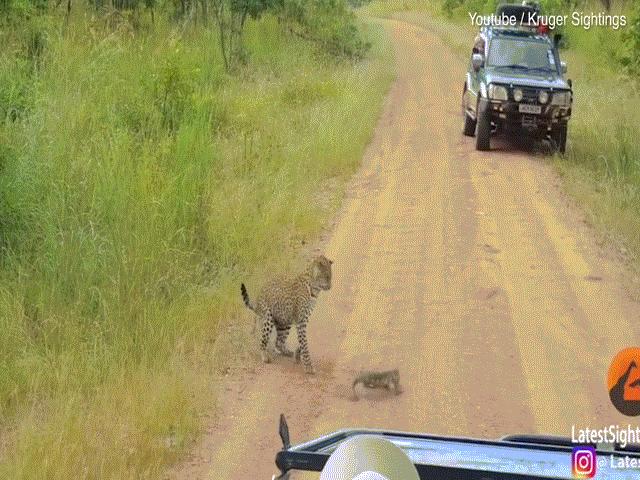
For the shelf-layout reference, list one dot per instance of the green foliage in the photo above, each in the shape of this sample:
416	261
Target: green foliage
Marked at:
630	59
460	7
16	84
328	23
139	182
448	6
173	92
558	7
22	8
230	17
252	8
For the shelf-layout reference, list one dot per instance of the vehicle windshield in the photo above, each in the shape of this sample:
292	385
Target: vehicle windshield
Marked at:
521	54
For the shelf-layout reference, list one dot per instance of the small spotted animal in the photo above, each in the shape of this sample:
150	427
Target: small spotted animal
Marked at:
288	301
389	380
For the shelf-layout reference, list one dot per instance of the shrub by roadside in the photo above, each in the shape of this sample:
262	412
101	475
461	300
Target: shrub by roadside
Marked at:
139	181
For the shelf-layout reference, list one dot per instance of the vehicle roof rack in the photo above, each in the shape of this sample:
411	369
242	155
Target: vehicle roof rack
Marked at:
523	32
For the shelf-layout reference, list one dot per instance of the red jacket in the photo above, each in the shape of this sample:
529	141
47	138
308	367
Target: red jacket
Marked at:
543	28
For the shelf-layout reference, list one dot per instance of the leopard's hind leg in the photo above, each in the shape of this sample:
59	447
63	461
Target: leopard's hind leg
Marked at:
267	327
281	339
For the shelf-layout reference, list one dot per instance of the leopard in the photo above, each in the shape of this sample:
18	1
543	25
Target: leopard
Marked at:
286	301
389	380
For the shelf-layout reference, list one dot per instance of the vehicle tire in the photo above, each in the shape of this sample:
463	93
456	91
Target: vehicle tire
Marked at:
469	128
483	127
559	137
468	123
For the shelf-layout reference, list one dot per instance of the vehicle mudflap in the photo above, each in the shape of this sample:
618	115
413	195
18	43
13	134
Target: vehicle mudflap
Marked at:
283	430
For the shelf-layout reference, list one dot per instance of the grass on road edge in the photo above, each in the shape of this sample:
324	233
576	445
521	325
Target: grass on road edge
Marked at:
144	183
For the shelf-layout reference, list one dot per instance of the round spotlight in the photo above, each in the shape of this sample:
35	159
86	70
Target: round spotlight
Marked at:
517	94
543	97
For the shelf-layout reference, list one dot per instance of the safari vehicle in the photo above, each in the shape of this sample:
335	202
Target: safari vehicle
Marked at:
392	455
517	87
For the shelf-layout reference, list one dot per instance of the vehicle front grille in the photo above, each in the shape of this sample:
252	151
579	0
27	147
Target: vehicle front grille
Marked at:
529	95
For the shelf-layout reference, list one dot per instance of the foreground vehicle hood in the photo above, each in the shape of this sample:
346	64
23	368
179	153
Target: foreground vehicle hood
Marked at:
519	457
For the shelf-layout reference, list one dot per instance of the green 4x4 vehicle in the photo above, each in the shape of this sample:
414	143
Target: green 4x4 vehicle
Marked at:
517	86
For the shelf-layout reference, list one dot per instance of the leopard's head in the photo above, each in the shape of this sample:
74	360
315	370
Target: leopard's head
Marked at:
320	270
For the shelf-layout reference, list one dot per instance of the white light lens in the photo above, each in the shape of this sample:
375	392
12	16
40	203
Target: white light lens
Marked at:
544	96
517	94
498	92
562	99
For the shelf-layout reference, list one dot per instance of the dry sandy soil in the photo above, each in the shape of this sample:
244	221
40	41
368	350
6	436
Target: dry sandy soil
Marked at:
469	271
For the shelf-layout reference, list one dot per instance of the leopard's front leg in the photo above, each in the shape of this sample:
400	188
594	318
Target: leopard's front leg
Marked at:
304	347
297	355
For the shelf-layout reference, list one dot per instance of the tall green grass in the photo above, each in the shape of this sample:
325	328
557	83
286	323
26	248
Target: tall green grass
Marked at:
602	163
139	183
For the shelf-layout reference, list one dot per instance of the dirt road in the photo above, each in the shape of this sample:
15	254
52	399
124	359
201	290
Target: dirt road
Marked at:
468	271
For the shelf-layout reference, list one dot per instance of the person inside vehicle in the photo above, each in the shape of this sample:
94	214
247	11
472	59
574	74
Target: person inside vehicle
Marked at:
478	45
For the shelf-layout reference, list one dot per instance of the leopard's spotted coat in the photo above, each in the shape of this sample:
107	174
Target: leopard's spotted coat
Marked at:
288	301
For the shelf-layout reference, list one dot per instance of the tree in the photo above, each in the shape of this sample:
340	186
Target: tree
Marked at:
230	17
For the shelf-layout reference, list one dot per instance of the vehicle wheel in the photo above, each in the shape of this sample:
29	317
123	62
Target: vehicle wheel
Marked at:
483	128
559	137
469	128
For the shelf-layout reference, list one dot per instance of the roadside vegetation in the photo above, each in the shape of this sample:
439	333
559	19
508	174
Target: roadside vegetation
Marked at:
602	165
145	167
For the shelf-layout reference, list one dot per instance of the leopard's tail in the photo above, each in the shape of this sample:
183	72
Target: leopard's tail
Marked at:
353	389
245	297
355	382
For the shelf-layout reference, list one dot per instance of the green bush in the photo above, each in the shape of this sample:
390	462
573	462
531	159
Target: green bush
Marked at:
328	23
139	182
558	7
448	6
630	59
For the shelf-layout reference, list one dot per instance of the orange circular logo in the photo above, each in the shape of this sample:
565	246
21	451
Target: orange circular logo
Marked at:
623	381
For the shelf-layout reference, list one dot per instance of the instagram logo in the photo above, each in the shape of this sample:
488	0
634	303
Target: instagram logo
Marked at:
583	462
